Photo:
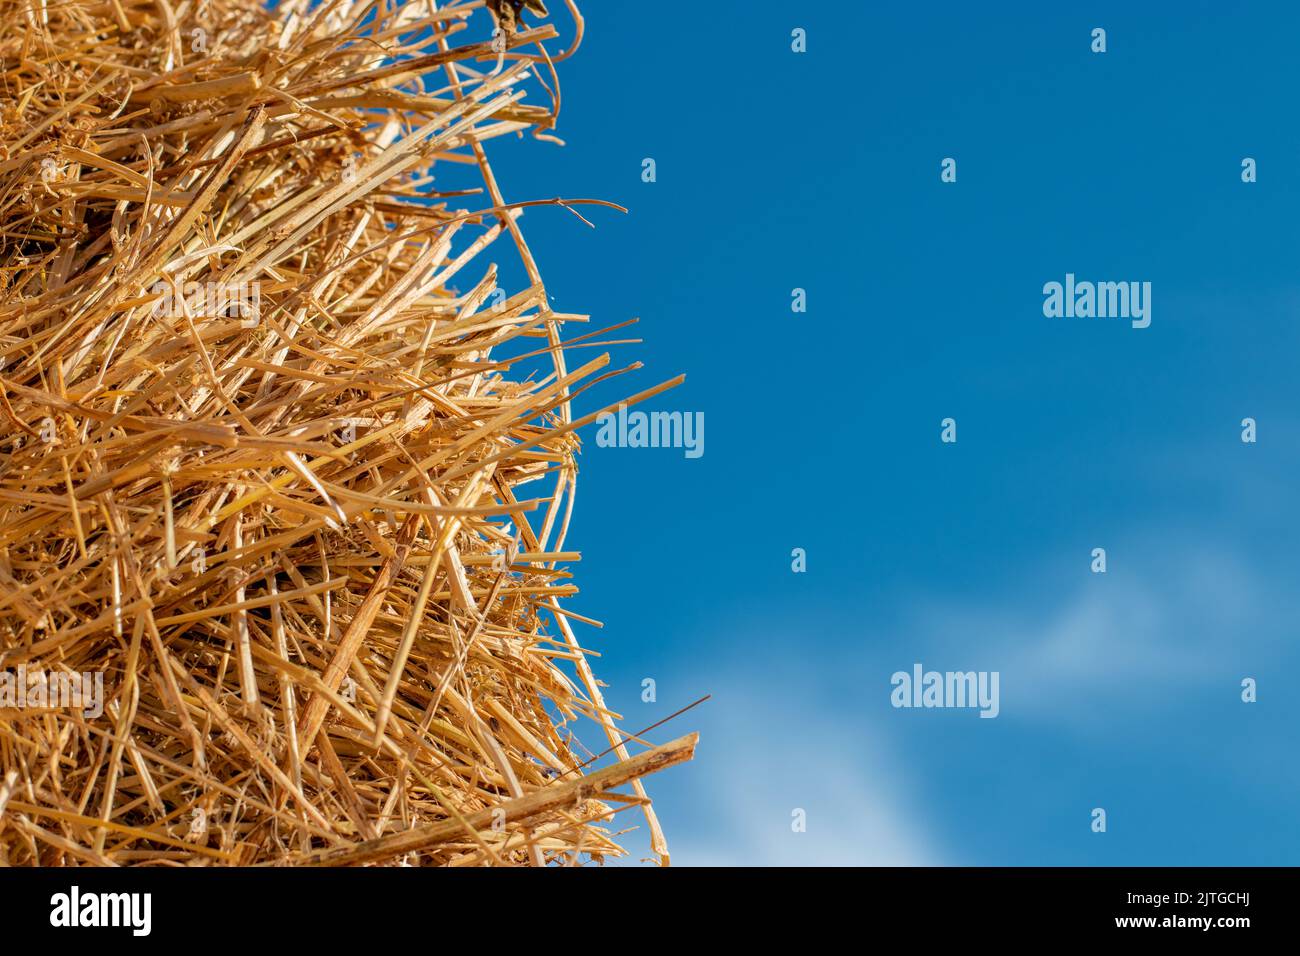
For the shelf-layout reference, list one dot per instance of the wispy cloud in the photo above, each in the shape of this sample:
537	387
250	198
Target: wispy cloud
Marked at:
755	771
803	721
1153	623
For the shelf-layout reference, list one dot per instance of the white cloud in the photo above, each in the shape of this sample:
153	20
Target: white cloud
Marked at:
1149	626
757	765
805	722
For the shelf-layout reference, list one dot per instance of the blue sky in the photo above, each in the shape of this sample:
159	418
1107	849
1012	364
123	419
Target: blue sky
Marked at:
821	171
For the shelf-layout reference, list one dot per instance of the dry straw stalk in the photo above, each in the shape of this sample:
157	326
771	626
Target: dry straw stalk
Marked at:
263	432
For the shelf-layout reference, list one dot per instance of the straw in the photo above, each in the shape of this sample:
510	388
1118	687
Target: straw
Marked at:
278	463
